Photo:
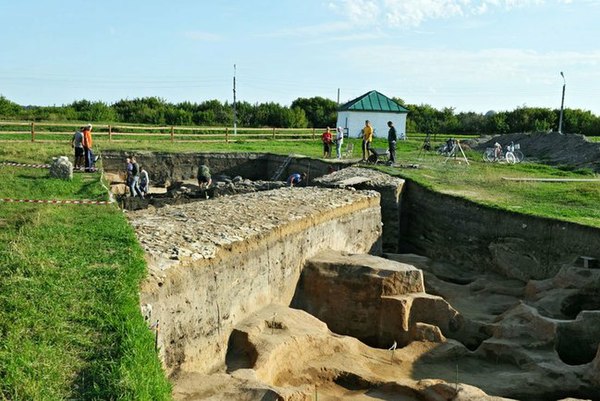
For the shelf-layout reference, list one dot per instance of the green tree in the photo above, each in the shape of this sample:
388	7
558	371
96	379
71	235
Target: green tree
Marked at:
90	111
471	123
149	110
320	112
449	123
424	118
577	121
9	109
496	123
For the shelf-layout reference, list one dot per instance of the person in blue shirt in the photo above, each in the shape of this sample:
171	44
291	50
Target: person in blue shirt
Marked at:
296	179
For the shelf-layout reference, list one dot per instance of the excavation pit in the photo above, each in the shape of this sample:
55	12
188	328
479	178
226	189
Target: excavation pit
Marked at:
224	272
173	177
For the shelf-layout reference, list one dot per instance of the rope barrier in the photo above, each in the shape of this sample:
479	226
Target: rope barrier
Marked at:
56	201
12	164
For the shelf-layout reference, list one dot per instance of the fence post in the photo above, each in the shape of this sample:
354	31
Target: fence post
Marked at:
109	133
32	132
273	133
172	134
313	133
226	134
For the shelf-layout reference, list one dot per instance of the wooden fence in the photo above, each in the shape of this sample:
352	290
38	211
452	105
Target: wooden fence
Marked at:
42	132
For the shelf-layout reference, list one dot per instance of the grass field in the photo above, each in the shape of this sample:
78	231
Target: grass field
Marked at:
70	327
484	183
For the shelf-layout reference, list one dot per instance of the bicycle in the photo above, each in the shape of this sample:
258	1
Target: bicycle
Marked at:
513	154
515	149
490	156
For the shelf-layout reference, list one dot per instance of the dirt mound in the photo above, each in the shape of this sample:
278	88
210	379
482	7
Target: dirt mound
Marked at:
570	150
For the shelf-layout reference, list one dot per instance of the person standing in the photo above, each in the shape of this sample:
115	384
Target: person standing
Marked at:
367	135
134	186
339	140
326	138
87	148
129	171
77	145
392	138
144	182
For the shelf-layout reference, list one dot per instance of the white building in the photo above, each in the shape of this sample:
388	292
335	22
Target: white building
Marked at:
378	109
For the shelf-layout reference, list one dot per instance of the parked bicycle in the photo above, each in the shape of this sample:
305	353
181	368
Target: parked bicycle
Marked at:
512	155
515	149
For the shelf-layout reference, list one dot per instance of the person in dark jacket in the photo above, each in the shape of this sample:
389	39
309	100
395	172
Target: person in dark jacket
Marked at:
392	138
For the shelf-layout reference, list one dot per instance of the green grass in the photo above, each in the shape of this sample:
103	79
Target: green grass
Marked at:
484	183
70	326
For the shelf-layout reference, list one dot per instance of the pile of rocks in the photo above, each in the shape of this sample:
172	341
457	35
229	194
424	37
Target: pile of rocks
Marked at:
353	176
221	186
237	185
61	168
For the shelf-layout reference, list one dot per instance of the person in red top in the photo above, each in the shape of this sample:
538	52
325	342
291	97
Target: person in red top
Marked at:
327	140
87	148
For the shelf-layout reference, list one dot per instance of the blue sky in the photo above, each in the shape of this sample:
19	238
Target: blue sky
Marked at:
471	55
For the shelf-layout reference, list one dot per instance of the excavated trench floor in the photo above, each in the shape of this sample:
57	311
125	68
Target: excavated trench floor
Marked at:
527	342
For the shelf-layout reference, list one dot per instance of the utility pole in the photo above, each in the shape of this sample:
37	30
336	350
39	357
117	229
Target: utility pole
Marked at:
562	104
234	105
338	96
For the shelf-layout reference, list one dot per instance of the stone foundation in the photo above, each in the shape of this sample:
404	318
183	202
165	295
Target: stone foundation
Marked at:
214	263
390	189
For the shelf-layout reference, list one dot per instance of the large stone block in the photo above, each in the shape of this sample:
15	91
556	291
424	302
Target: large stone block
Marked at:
346	291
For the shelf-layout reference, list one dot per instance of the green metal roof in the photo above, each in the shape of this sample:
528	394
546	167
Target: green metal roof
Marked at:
373	101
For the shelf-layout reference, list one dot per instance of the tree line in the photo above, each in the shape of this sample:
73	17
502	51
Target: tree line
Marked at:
312	112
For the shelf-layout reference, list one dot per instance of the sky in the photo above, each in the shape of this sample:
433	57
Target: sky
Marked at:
471	55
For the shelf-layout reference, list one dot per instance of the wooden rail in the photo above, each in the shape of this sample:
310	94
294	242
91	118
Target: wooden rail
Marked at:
42	132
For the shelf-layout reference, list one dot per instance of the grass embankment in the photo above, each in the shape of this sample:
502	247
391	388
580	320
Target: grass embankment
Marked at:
70	326
484	183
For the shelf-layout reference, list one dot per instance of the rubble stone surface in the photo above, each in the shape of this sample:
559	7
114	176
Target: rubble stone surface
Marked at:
389	187
196	231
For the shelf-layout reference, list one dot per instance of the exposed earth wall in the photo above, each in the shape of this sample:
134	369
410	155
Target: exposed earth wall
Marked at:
462	232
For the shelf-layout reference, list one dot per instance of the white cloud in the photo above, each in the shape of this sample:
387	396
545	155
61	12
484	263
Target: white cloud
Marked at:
364	11
202	36
404	13
498	79
472	64
308	31
350	37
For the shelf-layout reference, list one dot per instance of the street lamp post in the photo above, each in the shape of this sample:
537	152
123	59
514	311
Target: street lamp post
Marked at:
562	104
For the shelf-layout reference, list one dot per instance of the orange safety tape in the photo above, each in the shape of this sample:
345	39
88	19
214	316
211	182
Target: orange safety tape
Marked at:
56	201
25	165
